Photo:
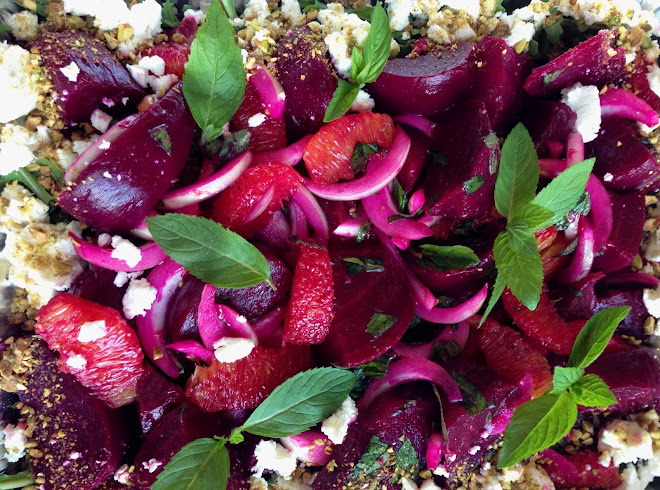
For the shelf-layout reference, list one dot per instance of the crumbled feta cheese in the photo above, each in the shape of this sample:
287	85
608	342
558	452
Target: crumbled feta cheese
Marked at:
625	442
154	64
125	250
363	102
273	456
651	299
122	278
71	71
198	15
100	120
122	475
24	25
103	240
151	465
161	85
652	246
91	331
231	349
105	145
291	10
76	361
80	146
139	74
138	298
653	77
14	442
256	9
18	144
256	120
342	31
19	207
336	426
585	102
20	91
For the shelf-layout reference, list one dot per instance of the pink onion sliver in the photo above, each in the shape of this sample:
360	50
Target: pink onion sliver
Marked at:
380	172
621	103
420	123
152	255
349	227
210	186
192	348
459	336
379	213
166	278
600	211
400	243
277	231
267	326
583	257
309	447
313	212
555	148
551	167
499	422
573	229
273	98
190	209
141	230
574	148
455	314
416	201
434	451
407	371
238	324
298	221
632	278
211	327
262	204
290	155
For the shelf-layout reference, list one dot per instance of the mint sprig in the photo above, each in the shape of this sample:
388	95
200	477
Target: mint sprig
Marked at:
542	422
366	64
214	78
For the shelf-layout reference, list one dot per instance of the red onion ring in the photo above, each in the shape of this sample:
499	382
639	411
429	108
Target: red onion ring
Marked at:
194	349
583	257
378	209
456	313
306	201
420	123
424	350
152	255
290	155
211	327
273	98
621	103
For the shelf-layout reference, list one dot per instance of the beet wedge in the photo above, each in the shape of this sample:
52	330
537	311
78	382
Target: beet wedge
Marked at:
116	188
85	75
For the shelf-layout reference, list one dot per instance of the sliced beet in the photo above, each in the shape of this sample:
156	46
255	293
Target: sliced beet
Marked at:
498	78
459	183
629	213
97	284
156	395
118	188
94	436
425	85
579	301
548	122
592	62
639	84
623	162
633	324
101	83
306	74
182	314
364	297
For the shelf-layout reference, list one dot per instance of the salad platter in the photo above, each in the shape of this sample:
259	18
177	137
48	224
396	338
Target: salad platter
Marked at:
329	245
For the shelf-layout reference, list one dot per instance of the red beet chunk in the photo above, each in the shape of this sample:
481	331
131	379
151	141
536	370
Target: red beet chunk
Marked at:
94	435
148	155
156	396
580	470
498	77
426	85
460	186
548	122
639	84
304	69
97	284
268	135
364	297
182	314
623	244
102	82
590	63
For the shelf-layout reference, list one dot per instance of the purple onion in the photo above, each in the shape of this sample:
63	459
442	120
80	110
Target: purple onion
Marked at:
291	155
456	313
616	102
194	349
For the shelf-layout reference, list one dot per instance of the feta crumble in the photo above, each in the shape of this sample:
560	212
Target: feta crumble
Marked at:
363	102
100	120
624	442
14	442
256	120
154	64
20	91
125	250
651	298
24	25
91	331
71	71
122	278
336	426
585	102
138	298
76	361
273	456
231	349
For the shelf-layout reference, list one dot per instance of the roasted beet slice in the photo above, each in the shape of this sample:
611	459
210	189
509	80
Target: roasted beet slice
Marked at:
592	62
85	75
182	314
459	183
639	84
156	395
633	324
304	69
580	470
629	213
425	85
498	77
579	301
97	284
548	122
367	321
623	162
122	183
93	436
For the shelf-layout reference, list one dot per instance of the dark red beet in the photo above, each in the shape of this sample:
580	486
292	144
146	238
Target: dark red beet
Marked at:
307	77
461	186
187	28
182	315
498	77
426	85
148	156
589	63
94	435
622	161
629	213
357	298
97	284
639	84
414	164
632	375
578	302
156	396
548	122
101	78
267	136
580	470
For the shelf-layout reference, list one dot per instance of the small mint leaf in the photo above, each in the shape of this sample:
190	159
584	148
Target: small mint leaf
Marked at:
591	391
341	101
523	275
200	465
535	216
498	289
522	239
564	377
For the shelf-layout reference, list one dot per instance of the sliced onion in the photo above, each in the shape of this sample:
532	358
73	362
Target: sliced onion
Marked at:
194	349
238	324
499	422
583	257
551	167
400	243
621	103
310	447
416	201
273	98
456	313
211	327
574	148
291	155
424	350
407	371
268	327
434	451
166	278
380	172
141	230
298	222
262	204
277	231
600	212
420	123
573	229
378	209
350	227
632	278
152	255
555	148
210	186
313	212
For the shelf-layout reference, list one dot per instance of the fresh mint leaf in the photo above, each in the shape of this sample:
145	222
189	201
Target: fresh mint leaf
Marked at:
355	265
522	239
472	185
518	173
399	196
380	323
210	252
168	14
30	181
551	77
235	144
595	335
536	425
364	373
591	391
375	456
162	137
554	32
379	461
564	377
364	13
214	79
361	154
498	289
230	8
582	207
564	191
18	480
500	8
341	101
523	275
376	48
445	258
4	30
535	216
200	465
473	400
299	403
406	462
309	5
363	231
